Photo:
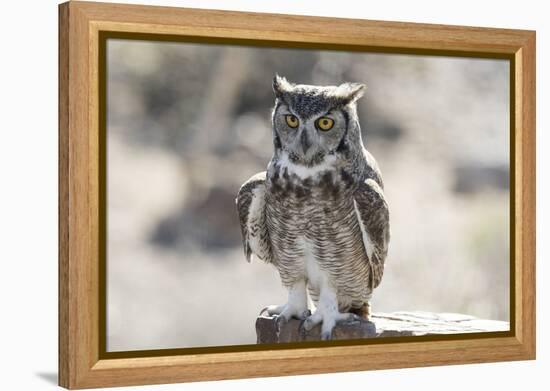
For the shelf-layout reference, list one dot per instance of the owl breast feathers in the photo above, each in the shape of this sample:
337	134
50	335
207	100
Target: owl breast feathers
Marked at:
318	213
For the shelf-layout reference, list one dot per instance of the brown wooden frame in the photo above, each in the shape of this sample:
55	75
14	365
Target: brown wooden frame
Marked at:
81	362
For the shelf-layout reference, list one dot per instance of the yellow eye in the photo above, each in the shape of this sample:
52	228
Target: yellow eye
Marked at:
325	123
292	121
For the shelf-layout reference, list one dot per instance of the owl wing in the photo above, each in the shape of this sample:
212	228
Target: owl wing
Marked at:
251	208
373	214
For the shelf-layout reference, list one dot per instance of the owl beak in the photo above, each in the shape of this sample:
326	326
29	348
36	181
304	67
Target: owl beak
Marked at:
305	141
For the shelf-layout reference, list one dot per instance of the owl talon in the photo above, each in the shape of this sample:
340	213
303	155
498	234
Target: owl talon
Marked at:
272	310
326	336
301	330
280	321
307	325
311	321
306	314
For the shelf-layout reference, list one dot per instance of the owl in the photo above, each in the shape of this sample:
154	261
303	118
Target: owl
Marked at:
318	214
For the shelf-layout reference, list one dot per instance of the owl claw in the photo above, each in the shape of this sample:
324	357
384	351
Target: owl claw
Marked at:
280	321
326	336
306	324
328	321
306	314
302	330
272	310
286	311
311	321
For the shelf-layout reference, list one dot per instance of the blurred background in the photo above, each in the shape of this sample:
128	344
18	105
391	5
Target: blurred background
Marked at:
189	123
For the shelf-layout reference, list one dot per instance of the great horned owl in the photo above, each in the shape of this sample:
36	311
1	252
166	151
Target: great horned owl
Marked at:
318	213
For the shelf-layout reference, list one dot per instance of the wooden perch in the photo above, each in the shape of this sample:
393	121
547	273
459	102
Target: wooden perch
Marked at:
380	325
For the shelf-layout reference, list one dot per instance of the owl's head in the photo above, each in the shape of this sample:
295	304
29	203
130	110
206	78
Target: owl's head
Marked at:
311	122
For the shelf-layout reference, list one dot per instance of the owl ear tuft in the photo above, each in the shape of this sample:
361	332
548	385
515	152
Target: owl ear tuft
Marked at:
280	86
351	92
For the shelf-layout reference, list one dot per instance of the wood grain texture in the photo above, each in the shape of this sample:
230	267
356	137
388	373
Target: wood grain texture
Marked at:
525	132
63	177
277	27
80	365
77	281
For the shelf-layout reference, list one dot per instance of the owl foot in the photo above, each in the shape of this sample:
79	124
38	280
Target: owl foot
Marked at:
272	310
284	313
296	307
328	320
326	335
277	310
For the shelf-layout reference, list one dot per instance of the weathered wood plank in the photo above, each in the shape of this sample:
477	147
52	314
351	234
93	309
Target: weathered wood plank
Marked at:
380	325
